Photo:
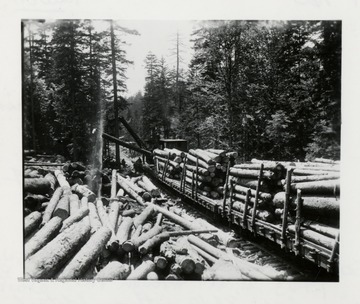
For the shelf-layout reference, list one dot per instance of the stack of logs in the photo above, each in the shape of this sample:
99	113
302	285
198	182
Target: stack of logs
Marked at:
78	235
303	197
204	170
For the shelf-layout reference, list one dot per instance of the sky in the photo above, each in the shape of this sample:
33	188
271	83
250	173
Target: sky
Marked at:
158	37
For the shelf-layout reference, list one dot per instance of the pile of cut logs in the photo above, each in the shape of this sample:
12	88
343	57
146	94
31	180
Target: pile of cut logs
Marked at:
204	170
72	233
303	196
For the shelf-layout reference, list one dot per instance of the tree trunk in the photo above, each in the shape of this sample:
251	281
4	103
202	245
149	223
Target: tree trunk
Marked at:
147	213
327	187
62	209
127	187
95	222
84	191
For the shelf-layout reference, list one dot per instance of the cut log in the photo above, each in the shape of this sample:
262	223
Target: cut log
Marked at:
314	237
252	184
147	213
201	171
312	178
321	228
217	151
34	201
123	232
200	263
113	185
127	187
139	190
160	262
172	163
113	271
59	174
39	185
325	187
136	232
146	227
81	213
186	263
202	178
224	238
171	277
252	271
202	155
224	271
243	173
214	156
325	161
84	191
52	205
114	214
52	180
313	206
152	276
32	222
87	255
263	215
150	187
95	222
84	202
164	154
44	264
43	236
242	198
262	195
310	172
157	240
63	207
134	244
204	254
142	270
74	204
192	158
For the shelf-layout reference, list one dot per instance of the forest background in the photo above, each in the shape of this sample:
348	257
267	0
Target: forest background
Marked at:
267	89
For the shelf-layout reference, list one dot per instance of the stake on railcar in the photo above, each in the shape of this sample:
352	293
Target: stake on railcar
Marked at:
257	198
286	207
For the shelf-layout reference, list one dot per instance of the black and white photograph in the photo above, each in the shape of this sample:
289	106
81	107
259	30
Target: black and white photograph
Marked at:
179	151
192	150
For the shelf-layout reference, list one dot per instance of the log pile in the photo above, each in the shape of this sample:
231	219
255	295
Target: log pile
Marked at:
201	170
80	235
303	197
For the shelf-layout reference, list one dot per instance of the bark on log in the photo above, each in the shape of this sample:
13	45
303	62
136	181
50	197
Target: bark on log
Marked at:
84	202
150	187
164	154
254	272
160	262
192	158
312	178
152	276
202	155
310	172
142	270
74	218
313	206
59	174
243	173
200	263
139	190
263	215
204	254
321	228
31	222
63	207
242	198
84	191
87	255
147	213
74	204
39	185
43	236
201	178
146	227
266	197
202	171
113	271
134	243
52	205
113	185
214	156
44	264
314	237
114	214
95	222
217	151
52	180
251	183
123	232
327	187
127	187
